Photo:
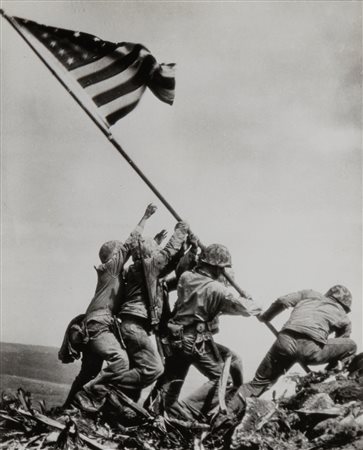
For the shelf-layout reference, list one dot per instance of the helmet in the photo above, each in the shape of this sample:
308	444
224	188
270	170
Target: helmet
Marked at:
341	294
217	255
108	249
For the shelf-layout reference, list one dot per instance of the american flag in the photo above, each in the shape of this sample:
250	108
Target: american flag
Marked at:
114	75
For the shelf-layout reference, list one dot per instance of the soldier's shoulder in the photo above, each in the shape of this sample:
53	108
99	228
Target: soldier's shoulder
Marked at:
312	294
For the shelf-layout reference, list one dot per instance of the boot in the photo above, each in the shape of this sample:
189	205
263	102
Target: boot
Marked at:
87	402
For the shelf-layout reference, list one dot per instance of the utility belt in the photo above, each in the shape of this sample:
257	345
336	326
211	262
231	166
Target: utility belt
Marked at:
200	331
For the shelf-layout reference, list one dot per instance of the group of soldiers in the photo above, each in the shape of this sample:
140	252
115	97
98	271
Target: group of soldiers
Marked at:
131	303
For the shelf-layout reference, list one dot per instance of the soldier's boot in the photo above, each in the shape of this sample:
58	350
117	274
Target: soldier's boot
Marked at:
123	410
87	402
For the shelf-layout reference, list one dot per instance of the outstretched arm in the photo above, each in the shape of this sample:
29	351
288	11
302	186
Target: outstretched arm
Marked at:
287	301
150	210
239	306
116	263
161	260
135	235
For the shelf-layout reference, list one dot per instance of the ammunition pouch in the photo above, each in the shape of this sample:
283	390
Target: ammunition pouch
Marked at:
203	334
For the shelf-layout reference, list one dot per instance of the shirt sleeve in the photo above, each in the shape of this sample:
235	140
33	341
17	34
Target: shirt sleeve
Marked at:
287	301
238	306
162	258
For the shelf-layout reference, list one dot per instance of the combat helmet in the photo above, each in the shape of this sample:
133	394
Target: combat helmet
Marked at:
108	249
217	255
341	294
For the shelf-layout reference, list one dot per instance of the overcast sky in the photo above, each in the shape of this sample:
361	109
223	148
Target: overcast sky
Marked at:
261	152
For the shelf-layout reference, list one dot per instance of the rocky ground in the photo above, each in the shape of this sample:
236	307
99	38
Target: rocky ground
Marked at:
326	412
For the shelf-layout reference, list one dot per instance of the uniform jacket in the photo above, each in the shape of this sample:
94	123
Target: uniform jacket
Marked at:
202	299
137	299
314	315
110	285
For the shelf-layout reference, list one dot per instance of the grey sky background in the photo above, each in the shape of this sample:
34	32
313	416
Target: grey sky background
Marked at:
261	152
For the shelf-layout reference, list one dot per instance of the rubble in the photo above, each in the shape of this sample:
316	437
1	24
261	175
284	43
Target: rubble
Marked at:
326	412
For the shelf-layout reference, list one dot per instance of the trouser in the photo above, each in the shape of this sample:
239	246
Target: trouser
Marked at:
145	363
103	346
129	372
291	347
209	360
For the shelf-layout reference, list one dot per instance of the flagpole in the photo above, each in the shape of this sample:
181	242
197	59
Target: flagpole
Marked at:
106	131
96	119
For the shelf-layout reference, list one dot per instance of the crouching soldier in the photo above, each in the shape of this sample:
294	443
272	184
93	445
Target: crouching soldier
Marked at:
100	327
201	297
305	336
140	311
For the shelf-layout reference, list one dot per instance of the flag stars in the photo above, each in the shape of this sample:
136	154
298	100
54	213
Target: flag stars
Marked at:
84	55
53	43
77	34
70	61
45	35
61	52
96	39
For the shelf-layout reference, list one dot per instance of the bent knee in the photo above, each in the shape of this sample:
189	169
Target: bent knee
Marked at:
151	373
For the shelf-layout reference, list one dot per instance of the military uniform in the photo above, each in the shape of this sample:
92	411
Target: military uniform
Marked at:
99	321
100	326
305	336
143	282
201	299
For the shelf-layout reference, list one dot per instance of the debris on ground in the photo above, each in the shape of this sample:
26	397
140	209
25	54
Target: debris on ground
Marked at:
326	412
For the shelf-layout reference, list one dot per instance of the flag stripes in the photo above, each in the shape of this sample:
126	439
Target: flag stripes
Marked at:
134	82
111	65
121	106
115	76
